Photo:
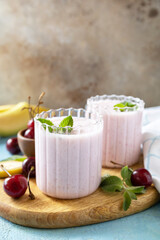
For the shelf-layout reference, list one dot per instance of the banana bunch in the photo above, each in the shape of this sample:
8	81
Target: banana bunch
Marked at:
13	118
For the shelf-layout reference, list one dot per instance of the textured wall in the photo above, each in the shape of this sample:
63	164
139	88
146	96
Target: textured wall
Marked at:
75	49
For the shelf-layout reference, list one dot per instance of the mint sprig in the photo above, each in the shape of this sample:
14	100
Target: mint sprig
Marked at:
66	122
125	106
116	184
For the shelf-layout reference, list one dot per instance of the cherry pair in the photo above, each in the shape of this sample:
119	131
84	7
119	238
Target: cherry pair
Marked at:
29	133
16	185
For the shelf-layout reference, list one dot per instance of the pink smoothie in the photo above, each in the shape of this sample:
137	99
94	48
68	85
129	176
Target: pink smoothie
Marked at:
122	135
69	165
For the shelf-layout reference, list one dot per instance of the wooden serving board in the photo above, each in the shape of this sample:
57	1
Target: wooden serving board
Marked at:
47	212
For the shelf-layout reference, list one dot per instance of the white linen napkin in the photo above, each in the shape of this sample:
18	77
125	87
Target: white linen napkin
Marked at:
151	143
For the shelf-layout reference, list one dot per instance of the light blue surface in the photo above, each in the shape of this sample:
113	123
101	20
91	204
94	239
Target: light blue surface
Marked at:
141	226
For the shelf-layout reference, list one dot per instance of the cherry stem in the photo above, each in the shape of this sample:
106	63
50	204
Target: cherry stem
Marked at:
32	112
30	108
39	103
118	164
5	170
31	195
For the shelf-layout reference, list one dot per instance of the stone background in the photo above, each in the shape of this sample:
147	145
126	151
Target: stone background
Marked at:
75	49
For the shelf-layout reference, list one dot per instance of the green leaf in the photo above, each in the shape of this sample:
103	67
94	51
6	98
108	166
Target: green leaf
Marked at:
138	189
70	129
104	177
126	200
61	129
68	121
126	175
112	184
45	121
44	126
132	195
119	106
128	104
18	158
50	129
122	106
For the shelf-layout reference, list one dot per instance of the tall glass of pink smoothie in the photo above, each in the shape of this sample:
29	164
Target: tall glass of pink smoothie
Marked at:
122	136
68	164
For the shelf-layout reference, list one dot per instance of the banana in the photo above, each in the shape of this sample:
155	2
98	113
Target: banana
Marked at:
13	167
14	118
4	108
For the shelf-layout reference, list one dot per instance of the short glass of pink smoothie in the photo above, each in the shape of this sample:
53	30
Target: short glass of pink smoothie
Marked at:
122	135
68	165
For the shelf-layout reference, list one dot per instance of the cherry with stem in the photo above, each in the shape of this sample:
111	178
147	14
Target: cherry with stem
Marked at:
15	186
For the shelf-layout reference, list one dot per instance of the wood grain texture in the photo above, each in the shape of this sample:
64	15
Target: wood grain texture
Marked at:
47	212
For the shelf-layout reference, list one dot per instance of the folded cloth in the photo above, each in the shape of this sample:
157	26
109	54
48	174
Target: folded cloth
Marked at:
151	143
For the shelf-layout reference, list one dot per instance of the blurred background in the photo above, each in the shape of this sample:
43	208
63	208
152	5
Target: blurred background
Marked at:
75	49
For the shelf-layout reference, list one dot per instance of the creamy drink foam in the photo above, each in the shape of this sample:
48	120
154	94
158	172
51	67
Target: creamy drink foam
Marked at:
69	165
122	135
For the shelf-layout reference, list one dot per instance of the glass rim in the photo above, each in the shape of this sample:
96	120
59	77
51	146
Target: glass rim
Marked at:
64	112
121	98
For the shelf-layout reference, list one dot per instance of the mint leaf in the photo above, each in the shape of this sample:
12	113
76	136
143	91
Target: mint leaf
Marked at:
112	184
139	189
132	195
50	129
18	158
46	121
68	121
128	104
104	177
126	201
70	129
122	106
119	106
62	130
126	175
44	126
127	198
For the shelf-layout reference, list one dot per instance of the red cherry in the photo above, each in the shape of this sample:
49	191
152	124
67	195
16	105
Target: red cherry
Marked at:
26	166
15	186
31	123
12	145
141	177
29	133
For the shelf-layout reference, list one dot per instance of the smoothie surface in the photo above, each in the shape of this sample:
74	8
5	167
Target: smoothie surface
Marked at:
80	124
